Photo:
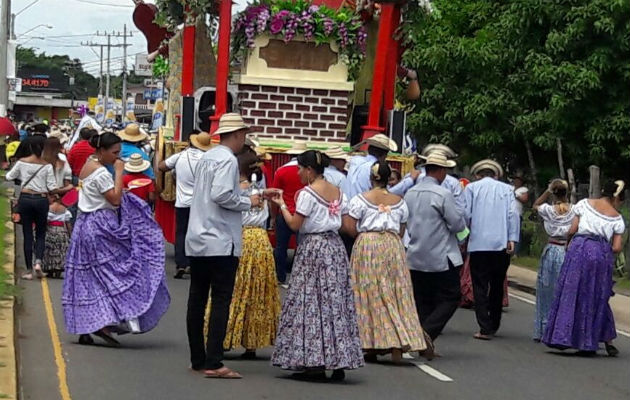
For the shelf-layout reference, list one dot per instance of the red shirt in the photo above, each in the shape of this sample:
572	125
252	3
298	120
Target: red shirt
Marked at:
142	192
287	179
78	155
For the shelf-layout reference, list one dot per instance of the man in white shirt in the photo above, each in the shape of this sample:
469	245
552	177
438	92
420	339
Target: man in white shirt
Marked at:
213	245
185	163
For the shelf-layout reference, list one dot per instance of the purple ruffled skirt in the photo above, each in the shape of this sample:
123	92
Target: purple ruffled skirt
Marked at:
114	271
580	316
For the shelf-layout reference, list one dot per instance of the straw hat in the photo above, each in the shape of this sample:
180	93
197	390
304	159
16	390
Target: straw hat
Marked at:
251	142
136	163
487	164
380	141
438	158
336	153
230	122
133	133
430	148
202	141
298	147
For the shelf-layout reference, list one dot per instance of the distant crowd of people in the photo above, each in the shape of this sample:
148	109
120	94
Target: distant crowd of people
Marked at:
382	263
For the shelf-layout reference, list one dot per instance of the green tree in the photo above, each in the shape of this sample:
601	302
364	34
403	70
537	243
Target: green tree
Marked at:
503	77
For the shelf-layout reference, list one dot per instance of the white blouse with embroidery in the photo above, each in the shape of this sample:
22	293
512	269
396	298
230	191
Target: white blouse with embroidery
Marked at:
592	222
556	225
320	215
377	218
91	191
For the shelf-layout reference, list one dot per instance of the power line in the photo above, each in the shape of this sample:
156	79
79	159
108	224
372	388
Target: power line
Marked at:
96	3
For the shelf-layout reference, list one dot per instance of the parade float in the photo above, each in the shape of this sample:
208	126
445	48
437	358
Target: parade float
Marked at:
295	70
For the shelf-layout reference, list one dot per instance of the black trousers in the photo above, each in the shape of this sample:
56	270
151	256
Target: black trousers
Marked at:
217	275
33	210
348	243
182	215
488	270
437	296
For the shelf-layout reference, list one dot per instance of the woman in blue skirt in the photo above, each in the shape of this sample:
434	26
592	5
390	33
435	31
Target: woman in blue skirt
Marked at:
557	218
580	317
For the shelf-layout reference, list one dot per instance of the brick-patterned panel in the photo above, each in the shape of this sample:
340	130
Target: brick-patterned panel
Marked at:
295	113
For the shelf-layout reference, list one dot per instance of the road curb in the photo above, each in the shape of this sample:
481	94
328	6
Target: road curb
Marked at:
8	359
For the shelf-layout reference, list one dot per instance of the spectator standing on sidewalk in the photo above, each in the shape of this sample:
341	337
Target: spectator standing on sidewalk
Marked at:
494	229
184	164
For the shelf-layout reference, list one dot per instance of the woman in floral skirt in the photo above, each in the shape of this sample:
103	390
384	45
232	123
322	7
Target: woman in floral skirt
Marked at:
318	328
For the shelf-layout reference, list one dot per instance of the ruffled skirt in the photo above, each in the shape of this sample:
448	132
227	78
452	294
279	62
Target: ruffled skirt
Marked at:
114	271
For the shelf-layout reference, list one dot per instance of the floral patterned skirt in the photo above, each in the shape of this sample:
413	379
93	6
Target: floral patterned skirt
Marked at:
383	294
548	272
255	306
318	325
57	242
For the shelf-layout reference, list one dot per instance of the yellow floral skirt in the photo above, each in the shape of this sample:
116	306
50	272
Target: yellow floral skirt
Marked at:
383	294
255	306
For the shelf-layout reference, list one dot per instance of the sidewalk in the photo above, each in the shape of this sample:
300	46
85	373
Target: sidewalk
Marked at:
524	279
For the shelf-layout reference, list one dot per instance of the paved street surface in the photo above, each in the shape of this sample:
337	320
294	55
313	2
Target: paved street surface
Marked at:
155	365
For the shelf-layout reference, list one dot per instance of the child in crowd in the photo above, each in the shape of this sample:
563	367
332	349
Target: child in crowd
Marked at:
57	237
136	181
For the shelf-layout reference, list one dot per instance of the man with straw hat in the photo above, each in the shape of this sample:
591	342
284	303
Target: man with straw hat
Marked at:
135	179
333	173
185	163
433	254
213	245
286	179
494	229
132	139
358	179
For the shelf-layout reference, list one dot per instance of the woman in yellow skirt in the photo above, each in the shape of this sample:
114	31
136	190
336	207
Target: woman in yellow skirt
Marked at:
388	320
255	306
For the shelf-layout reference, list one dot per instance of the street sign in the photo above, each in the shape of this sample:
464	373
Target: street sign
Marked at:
143	67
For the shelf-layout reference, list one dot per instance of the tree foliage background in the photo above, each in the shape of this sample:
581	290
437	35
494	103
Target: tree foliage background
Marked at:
499	77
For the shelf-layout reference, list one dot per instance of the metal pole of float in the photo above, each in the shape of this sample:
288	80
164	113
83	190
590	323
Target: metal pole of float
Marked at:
188	78
223	63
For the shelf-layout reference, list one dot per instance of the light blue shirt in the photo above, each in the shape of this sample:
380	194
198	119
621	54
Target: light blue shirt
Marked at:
127	149
334	176
491	215
432	224
215	226
450	182
358	179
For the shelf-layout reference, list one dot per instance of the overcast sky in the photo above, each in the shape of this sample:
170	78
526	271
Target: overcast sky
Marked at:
76	21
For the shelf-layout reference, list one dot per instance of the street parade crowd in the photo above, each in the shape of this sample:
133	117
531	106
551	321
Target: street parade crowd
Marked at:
382	263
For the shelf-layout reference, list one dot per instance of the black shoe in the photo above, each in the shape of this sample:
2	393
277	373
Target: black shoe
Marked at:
86	340
248	355
338	375
611	350
180	273
107	338
585	353
310	376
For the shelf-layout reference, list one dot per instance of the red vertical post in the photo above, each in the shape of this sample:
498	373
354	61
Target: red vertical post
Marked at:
380	68
223	63
389	93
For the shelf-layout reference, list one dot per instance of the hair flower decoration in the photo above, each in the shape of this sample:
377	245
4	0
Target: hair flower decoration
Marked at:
334	207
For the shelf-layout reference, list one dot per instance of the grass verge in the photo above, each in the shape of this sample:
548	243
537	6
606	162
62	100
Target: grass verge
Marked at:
6	289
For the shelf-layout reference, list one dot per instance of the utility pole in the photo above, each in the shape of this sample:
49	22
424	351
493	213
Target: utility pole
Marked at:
109	47
124	82
4	38
100	76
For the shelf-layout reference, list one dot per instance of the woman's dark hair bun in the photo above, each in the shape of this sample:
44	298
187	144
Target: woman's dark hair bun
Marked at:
314	159
105	140
380	173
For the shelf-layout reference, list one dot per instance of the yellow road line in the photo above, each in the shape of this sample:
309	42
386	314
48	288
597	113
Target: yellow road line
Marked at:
54	337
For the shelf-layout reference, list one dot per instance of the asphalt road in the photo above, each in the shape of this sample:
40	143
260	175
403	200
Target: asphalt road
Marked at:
155	365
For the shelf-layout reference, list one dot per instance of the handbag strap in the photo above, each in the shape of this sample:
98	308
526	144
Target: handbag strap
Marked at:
32	176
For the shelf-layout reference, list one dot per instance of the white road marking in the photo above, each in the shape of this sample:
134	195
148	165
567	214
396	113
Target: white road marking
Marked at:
432	372
532	302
